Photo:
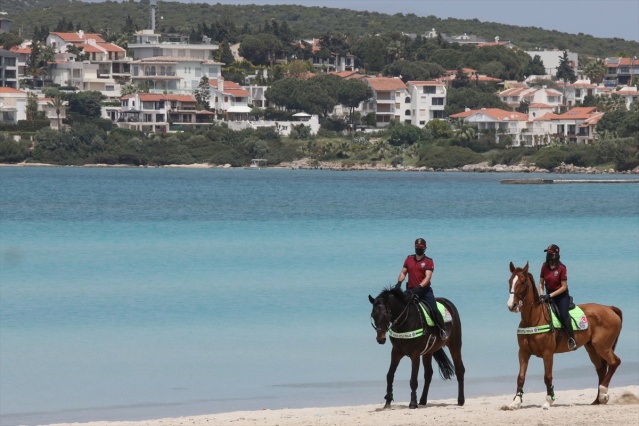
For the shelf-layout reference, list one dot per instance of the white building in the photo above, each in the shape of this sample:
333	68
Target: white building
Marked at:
552	58
13	105
388	101
426	101
148	45
174	74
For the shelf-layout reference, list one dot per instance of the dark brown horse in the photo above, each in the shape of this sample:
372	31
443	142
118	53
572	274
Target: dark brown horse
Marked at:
535	337
400	315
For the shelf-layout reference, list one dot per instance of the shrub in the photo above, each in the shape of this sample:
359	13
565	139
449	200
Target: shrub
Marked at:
549	158
447	158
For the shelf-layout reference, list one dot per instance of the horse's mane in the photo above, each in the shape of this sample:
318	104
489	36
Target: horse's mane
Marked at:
396	292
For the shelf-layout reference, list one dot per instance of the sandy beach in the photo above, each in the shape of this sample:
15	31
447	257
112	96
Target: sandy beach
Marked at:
572	407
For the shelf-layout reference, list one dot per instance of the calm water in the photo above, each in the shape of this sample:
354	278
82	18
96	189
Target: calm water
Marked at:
139	293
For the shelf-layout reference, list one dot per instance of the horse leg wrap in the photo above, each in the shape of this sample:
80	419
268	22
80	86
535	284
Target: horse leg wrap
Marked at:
603	395
517	400
549	400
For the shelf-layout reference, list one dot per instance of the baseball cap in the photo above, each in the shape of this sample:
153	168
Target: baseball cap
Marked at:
420	242
552	249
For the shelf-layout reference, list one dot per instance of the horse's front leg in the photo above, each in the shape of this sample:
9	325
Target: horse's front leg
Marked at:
396	356
413	380
550	391
427	360
524	357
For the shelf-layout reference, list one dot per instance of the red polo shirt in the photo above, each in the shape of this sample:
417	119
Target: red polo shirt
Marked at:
417	269
554	277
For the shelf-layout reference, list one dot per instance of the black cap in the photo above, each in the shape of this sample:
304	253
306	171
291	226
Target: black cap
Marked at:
553	248
420	242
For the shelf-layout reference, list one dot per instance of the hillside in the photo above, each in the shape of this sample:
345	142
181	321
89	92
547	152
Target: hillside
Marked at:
304	22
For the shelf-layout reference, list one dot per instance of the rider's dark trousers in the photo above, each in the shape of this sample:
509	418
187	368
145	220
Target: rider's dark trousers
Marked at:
563	303
428	297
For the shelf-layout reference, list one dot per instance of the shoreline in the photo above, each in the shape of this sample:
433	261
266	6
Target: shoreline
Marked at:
572	407
304	164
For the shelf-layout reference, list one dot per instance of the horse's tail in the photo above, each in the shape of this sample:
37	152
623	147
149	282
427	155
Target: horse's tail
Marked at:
446	369
617	311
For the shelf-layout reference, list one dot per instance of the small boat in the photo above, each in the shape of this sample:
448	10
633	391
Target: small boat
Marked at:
257	164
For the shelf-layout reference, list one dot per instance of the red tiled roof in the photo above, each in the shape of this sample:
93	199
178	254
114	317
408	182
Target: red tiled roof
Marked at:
578	113
17	49
11	90
382	84
496	113
75	37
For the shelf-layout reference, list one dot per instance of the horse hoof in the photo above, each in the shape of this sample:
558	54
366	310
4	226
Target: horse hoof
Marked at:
387	406
516	404
603	395
412	405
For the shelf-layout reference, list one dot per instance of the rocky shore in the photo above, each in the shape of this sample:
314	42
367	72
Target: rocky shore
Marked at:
477	168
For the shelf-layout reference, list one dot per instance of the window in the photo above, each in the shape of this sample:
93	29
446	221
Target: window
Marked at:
429	90
407	112
10	62
578	93
438	101
438	114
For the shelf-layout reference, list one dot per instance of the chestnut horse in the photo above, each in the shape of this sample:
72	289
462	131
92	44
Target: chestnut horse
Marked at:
536	337
401	316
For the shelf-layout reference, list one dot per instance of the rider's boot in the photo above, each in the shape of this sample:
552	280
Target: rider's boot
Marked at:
572	344
442	327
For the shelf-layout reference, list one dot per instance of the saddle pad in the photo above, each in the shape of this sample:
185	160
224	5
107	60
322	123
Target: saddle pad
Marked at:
579	319
442	310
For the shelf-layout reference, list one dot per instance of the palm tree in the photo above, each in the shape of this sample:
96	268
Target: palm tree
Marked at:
465	131
596	71
59	106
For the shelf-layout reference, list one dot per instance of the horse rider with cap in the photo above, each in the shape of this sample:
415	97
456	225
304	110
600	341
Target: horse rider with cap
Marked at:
419	268
554	276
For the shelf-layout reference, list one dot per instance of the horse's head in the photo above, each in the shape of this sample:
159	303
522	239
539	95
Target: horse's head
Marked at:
381	316
519	284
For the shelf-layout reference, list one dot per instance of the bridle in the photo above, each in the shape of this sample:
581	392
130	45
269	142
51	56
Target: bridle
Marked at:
387	309
522	299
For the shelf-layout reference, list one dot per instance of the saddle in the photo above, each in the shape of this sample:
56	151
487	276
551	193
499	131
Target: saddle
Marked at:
577	317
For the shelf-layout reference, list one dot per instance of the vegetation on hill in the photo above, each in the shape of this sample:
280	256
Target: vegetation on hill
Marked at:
228	21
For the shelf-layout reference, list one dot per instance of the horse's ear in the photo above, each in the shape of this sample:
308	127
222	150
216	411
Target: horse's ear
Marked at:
526	268
371	299
512	267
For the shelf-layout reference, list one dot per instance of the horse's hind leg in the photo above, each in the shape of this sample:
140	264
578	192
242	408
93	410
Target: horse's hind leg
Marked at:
428	377
606	363
460	370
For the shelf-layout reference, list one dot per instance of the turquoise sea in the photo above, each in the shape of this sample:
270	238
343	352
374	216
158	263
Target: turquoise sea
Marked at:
131	293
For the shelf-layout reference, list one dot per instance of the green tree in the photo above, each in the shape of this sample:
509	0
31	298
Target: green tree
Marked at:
86	105
536	66
596	70
60	105
564	71
260	49
464	131
224	53
9	40
351	93
203	93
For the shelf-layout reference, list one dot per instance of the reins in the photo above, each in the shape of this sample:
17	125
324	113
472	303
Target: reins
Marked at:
532	304
402	313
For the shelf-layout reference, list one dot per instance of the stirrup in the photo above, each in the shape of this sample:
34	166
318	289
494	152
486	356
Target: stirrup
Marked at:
572	344
443	334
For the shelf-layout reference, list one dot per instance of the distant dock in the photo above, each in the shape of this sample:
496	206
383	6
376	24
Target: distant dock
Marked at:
555	181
